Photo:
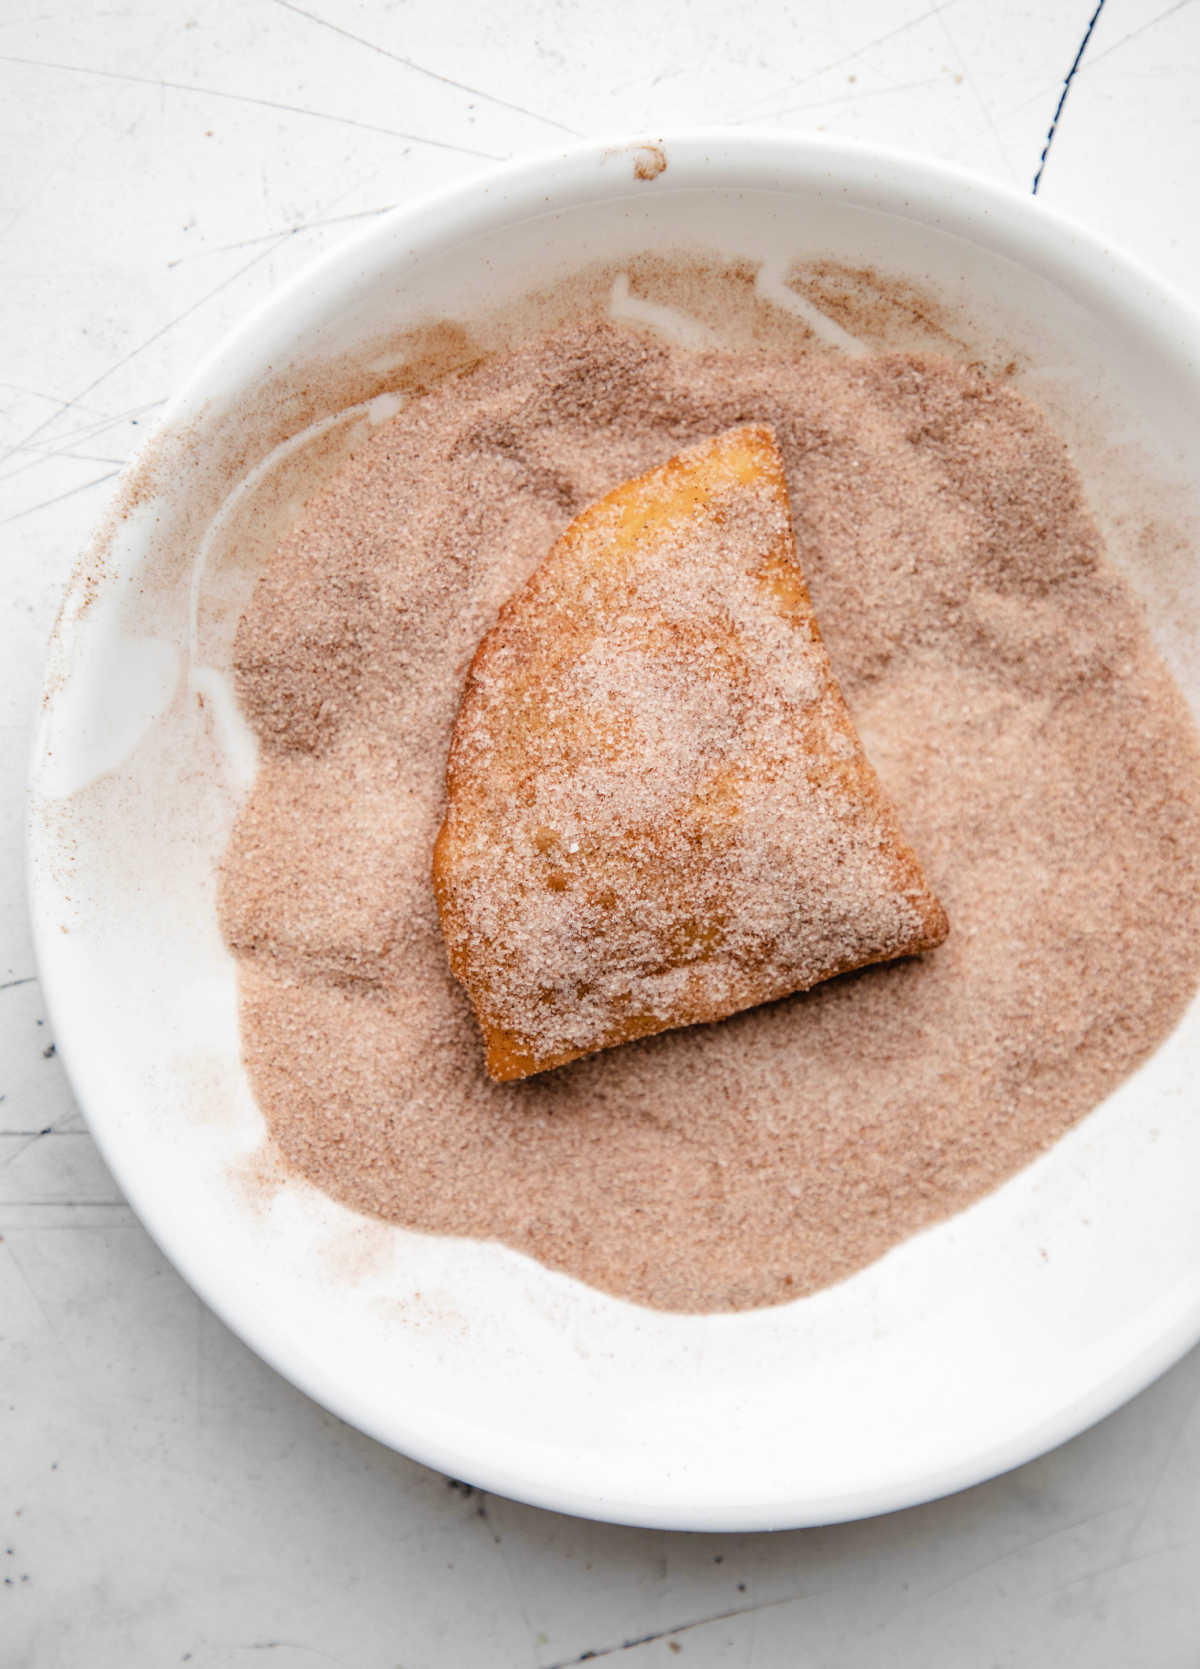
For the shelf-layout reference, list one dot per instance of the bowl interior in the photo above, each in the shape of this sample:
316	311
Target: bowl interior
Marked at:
965	1350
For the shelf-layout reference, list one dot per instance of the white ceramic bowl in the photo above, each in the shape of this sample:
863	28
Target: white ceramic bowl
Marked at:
964	1351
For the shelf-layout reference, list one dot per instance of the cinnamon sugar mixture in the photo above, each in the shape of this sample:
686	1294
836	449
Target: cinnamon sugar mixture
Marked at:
1041	760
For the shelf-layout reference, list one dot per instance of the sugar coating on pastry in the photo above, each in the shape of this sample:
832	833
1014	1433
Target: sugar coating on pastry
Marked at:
658	809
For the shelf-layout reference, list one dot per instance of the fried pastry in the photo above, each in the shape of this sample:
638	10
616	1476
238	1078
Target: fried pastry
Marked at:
658	809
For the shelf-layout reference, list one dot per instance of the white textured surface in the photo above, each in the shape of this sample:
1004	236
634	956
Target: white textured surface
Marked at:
164	1496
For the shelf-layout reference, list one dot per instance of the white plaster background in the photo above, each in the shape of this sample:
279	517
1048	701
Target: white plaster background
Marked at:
164	1497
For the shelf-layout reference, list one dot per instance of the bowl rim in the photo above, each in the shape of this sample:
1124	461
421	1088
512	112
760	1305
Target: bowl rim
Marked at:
1000	217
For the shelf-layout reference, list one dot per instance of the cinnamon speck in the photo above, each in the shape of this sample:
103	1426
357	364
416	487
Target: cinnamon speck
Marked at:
649	162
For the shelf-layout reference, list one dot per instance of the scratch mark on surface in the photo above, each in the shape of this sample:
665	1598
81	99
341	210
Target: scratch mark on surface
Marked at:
498	1541
53	399
48	455
88	431
291	1646
981	103
668	1633
89	457
30	1288
11	984
1099	57
32	1136
248	98
38	455
286	232
11	1159
1160	1474
1018	1550
70	1125
1062	97
1119	1564
154	337
420	69
45	504
838	63
856	96
63	1205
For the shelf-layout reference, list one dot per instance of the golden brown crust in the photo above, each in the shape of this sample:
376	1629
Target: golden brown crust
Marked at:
658	809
